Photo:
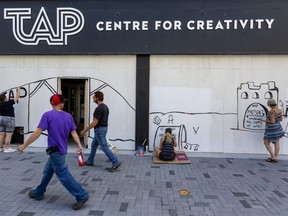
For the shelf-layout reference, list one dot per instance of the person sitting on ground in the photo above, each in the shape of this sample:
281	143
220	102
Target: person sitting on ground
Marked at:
166	150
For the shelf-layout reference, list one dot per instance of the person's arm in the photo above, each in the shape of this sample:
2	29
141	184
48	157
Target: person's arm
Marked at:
91	125
175	143
17	95
77	140
281	115
161	142
34	136
272	118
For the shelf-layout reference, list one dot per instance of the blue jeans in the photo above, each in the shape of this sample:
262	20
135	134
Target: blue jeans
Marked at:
56	164
100	139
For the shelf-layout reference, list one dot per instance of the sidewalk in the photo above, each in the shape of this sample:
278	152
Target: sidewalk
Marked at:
218	185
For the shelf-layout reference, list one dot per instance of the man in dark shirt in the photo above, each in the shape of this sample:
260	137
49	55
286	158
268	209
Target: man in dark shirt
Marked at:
100	124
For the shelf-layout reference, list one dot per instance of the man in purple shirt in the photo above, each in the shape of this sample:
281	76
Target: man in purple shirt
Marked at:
59	125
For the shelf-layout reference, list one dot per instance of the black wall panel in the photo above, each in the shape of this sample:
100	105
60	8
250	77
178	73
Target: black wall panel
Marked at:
144	27
142	100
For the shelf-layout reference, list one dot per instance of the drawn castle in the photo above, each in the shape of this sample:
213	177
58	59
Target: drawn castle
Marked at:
251	104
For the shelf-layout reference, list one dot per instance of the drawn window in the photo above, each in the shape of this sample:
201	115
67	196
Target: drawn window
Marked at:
255	95
268	95
244	95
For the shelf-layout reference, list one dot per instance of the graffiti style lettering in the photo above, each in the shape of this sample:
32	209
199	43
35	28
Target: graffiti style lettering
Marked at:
195	130
157	120
170	119
69	21
23	93
258	113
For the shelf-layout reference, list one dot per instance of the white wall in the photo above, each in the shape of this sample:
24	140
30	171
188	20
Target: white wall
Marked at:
197	97
38	75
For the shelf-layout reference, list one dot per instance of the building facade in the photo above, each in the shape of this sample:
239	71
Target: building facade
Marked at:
205	69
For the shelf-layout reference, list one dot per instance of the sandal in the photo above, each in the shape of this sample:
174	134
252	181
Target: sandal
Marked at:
271	160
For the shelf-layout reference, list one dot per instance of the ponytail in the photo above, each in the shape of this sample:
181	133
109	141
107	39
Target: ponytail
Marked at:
168	137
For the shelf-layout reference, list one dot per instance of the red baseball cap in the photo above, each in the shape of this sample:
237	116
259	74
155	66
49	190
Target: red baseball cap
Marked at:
57	99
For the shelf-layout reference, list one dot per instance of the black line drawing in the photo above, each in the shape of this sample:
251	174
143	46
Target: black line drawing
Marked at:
50	86
180	131
251	110
251	104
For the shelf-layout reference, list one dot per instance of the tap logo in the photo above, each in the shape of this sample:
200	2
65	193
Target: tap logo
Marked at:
69	21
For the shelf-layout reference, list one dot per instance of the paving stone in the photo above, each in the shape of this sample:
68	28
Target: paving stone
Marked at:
217	186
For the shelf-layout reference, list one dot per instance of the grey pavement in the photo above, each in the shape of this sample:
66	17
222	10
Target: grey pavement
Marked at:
218	185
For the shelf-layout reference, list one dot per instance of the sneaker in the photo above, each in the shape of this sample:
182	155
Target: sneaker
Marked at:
88	164
33	196
115	167
1	149
9	150
80	204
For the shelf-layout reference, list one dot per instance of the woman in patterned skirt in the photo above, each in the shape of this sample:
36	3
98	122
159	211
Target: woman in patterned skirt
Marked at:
273	130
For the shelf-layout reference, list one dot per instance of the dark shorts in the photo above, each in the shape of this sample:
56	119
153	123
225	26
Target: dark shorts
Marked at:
167	156
7	124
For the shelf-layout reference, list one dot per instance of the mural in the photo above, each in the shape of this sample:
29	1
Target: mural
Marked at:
34	99
191	133
190	119
121	130
178	131
251	104
191	129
